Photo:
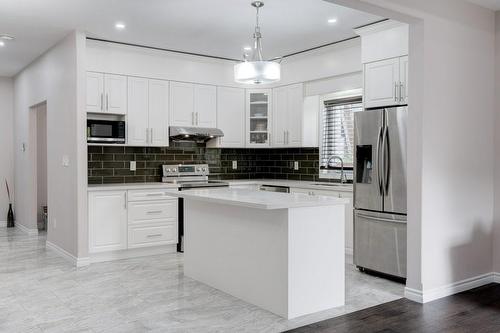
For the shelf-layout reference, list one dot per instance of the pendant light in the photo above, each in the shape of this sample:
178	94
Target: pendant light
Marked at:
257	70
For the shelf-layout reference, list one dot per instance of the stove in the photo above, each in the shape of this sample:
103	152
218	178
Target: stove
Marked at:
190	176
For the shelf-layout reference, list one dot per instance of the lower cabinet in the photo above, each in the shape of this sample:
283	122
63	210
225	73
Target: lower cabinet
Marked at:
107	217
349	211
120	220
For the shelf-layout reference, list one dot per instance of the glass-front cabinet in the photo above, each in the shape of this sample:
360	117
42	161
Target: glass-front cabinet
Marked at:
258	111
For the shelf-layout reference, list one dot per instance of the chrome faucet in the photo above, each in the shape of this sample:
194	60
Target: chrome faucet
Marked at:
337	157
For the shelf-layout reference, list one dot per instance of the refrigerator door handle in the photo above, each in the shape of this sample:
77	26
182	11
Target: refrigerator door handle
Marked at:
379	166
387	160
381	219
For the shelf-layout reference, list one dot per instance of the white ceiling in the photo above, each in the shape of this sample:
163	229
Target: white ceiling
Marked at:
215	27
491	4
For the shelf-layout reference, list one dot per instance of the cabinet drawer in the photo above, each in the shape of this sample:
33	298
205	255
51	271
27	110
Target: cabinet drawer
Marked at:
146	195
150	211
143	236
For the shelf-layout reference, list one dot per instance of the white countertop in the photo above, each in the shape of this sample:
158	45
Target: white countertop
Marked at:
235	182
130	186
258	199
295	183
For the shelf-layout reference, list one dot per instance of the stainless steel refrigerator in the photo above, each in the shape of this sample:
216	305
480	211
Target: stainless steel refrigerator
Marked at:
380	190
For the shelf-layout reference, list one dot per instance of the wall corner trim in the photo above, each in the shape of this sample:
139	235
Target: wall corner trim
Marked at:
452	288
30	232
78	262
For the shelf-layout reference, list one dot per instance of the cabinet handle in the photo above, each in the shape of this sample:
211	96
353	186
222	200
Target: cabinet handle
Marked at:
192	118
155	212
284	137
147	135
126	199
151	135
287	137
395	92
197	119
102	102
154	194
154	235
402	92
107	102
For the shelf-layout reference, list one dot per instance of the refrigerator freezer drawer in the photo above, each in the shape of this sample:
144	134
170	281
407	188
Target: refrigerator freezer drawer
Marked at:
380	242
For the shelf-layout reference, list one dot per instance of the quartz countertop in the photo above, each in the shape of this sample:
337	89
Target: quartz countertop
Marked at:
295	183
278	182
130	186
259	199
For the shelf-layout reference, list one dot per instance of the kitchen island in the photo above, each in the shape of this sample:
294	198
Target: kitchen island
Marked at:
282	252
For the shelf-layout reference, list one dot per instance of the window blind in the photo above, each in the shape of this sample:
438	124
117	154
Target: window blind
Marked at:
338	131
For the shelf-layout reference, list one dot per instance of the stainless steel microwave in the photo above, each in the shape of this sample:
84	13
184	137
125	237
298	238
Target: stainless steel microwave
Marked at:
105	131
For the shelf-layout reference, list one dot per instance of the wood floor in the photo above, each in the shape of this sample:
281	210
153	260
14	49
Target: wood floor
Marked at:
476	311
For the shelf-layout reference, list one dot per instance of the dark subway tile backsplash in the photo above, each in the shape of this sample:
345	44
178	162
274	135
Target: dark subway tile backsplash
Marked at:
109	164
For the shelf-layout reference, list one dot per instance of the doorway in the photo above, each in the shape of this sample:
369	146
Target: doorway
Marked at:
38	140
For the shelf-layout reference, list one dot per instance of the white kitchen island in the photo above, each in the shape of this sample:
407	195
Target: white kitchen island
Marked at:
282	252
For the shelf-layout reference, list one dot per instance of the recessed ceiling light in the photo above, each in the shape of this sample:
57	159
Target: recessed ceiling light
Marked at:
247	48
332	20
120	25
2	43
6	37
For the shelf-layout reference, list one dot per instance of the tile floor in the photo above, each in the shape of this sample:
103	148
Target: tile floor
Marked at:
41	292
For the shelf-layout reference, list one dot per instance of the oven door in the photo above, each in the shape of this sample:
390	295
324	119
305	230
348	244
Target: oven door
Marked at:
105	131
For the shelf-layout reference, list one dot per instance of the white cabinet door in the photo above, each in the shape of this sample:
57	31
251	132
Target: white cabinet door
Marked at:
107	221
95	92
158	112
381	80
181	104
115	91
231	116
280	117
137	121
205	105
403	78
295	115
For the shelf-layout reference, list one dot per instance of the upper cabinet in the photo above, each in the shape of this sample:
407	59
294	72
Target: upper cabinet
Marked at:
258	113
193	105
288	104
231	116
106	93
147	120
384	53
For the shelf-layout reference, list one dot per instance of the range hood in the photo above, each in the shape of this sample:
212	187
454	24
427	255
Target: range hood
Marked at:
198	134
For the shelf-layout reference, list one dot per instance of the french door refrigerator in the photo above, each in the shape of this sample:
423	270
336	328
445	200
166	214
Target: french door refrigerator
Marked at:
380	190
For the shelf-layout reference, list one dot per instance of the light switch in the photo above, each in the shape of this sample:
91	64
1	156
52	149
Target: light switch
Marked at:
65	161
133	166
296	165
235	165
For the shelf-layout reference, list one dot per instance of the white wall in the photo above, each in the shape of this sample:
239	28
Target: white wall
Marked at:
55	78
450	151
340	59
496	243
6	144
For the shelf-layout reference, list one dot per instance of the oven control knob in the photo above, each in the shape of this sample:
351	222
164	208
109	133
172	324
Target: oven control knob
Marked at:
199	169
168	170
204	169
174	170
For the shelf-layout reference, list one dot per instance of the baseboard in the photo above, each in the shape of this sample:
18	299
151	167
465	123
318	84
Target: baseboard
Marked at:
496	277
450	289
78	262
30	232
132	253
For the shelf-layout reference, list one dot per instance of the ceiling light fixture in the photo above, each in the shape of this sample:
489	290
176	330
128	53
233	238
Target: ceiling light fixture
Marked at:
120	25
257	70
332	20
2	43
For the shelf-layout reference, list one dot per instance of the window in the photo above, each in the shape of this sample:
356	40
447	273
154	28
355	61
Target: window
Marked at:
337	134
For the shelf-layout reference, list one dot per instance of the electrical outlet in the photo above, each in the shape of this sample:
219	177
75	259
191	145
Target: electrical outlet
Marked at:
133	166
235	165
296	165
